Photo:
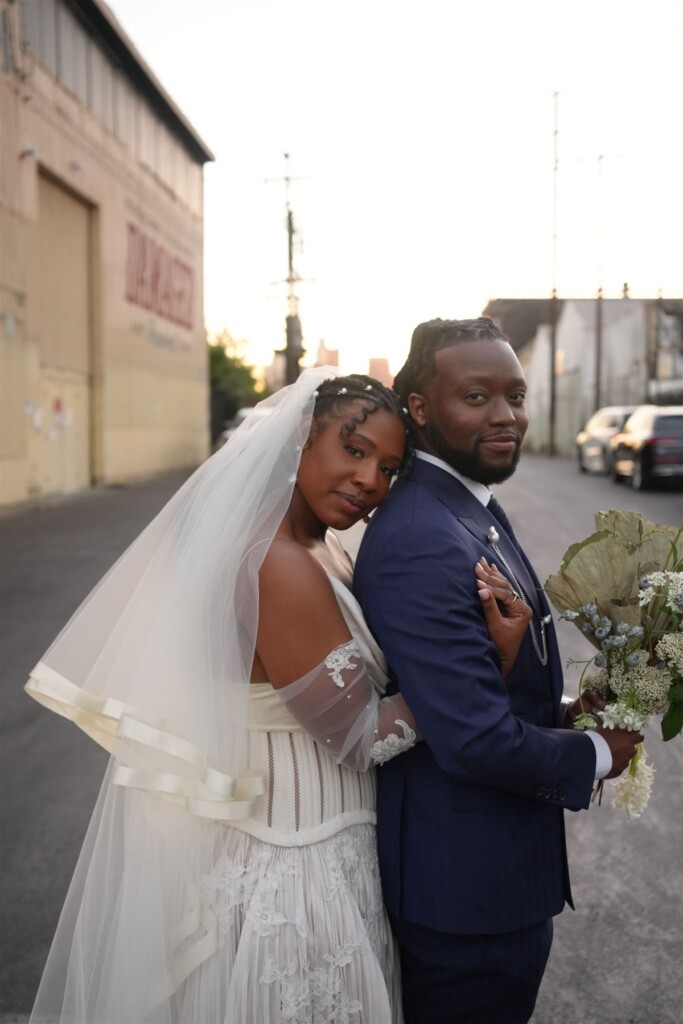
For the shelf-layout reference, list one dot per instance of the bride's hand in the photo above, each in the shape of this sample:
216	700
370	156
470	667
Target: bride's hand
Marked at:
507	614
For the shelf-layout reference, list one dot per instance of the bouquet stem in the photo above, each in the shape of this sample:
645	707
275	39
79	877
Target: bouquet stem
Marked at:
633	766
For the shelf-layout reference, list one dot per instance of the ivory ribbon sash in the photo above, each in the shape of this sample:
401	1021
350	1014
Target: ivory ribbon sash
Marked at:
203	791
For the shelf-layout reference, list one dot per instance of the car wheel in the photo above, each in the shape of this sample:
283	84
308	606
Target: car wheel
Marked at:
579	460
639	480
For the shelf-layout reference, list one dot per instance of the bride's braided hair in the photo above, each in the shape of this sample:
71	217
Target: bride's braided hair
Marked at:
335	395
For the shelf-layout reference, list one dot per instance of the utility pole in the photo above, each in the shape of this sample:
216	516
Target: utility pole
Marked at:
597	397
552	412
293	350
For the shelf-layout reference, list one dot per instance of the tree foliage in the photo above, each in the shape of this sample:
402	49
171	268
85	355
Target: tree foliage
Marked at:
232	381
228	371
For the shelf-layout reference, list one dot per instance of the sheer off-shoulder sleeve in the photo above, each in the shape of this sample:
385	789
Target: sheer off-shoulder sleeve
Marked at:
338	705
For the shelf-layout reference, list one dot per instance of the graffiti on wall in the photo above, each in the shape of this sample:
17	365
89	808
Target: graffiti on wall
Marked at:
157	280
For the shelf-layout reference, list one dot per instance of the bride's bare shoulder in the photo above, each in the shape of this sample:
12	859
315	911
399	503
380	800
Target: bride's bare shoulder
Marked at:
288	563
300	621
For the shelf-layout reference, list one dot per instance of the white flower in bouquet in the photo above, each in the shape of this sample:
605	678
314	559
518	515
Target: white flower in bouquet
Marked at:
632	789
658	583
670	650
623	588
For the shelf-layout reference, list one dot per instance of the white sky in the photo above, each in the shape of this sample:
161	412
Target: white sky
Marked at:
422	131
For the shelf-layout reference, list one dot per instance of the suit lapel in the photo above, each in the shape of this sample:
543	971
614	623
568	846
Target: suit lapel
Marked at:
478	521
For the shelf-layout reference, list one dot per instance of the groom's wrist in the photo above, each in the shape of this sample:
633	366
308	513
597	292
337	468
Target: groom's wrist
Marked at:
565	704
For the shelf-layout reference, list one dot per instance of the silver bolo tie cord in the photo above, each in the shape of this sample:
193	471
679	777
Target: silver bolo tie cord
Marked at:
541	646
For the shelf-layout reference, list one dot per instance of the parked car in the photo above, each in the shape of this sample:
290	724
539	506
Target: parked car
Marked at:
593	452
650	446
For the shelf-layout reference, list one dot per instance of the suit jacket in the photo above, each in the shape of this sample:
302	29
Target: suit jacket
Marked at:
470	821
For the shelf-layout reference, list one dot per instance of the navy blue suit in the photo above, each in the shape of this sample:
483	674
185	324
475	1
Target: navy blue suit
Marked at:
470	821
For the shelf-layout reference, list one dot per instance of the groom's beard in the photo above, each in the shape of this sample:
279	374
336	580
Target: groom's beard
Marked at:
470	464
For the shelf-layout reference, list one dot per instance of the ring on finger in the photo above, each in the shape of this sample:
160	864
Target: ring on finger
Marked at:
515	597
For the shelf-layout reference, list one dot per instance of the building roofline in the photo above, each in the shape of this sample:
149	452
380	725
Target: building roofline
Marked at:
104	23
521	318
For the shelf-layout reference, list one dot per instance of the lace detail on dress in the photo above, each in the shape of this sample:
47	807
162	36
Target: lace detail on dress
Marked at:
315	996
251	888
341	658
270	894
384	750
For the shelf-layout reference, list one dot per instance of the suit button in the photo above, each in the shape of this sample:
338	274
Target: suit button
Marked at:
541	791
563	795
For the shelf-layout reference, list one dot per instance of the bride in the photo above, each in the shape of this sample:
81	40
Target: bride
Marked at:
229	872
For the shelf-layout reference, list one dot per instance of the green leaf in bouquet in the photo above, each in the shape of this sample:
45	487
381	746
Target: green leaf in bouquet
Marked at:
606	567
672	722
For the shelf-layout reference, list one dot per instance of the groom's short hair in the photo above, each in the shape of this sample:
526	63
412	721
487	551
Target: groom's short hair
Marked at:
428	339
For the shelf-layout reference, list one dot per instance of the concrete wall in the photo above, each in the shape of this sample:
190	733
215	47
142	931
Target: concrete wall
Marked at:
103	359
623	377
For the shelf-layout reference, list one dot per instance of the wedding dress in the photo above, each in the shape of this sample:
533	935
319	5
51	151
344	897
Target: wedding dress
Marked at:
229	873
303	933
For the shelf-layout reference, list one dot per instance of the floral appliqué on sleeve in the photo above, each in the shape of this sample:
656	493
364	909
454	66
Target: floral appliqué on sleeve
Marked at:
342	658
384	750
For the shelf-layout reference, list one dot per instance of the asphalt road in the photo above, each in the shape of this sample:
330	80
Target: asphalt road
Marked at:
615	960
50	558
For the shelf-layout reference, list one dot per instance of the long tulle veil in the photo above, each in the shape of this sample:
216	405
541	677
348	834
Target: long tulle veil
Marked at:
155	667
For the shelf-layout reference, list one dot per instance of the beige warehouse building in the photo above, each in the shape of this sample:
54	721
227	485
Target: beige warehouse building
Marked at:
103	360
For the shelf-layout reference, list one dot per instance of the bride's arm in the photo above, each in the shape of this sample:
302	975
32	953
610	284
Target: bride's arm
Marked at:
317	668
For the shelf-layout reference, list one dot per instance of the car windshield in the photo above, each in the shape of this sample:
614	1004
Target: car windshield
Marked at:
669	425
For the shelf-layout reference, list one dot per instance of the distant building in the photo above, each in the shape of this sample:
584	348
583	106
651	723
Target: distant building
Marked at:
641	358
327	356
275	375
379	369
102	347
519	319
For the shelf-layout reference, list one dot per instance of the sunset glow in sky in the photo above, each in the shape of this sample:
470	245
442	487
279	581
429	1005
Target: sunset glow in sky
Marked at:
422	132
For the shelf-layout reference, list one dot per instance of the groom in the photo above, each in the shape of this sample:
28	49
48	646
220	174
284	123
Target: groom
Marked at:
470	821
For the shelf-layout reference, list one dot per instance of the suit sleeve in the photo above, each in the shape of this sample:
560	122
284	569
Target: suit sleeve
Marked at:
417	589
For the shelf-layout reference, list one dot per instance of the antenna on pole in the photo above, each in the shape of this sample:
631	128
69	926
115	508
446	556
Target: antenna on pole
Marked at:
293	350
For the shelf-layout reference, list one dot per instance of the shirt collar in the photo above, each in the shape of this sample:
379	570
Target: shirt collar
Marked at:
480	491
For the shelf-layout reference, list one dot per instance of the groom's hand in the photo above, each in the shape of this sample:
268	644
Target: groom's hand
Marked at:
622	745
587	704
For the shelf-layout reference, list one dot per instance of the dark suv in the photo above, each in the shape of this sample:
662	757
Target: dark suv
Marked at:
650	446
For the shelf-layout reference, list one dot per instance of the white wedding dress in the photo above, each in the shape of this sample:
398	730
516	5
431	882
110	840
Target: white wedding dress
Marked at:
229	873
303	935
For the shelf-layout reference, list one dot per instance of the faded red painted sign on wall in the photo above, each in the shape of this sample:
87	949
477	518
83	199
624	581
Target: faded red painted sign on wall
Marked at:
157	280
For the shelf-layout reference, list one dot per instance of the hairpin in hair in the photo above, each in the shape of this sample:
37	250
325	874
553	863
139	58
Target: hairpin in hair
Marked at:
342	391
316	394
368	387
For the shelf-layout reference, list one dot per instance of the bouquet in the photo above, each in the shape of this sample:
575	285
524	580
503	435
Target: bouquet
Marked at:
623	588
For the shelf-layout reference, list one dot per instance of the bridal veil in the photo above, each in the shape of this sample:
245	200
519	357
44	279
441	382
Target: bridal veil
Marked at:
155	667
